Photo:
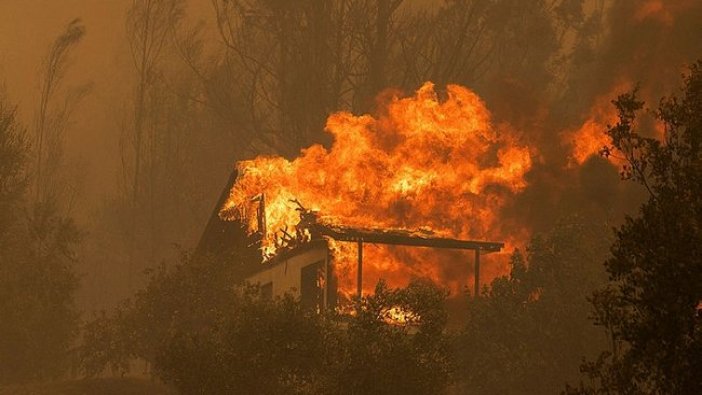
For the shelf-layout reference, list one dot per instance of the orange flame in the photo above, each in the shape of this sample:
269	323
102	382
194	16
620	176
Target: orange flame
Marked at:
590	138
426	163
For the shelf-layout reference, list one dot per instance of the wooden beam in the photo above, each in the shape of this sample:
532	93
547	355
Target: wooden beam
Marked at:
325	296
404	238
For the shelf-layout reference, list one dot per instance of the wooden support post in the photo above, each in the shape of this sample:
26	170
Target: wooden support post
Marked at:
325	296
476	286
359	271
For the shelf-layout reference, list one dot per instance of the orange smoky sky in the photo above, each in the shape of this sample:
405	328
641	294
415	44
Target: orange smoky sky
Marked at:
28	27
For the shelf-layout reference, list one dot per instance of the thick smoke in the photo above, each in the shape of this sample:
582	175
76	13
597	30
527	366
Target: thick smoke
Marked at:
644	44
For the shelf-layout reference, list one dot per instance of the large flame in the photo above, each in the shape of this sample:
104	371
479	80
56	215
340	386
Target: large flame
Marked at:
423	163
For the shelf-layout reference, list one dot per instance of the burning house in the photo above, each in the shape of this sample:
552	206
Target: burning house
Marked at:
303	263
426	172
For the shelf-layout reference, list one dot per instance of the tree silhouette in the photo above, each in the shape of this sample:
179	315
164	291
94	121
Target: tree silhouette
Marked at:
53	114
650	308
37	280
529	331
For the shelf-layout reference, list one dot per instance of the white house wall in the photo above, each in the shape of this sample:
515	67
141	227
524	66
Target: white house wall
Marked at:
285	275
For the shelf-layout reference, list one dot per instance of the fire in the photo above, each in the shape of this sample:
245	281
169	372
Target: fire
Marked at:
421	163
591	138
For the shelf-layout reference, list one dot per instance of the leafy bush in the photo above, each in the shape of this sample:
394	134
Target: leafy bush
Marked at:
203	334
38	321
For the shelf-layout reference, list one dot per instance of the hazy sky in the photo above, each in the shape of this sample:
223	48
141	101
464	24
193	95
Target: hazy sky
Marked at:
27	28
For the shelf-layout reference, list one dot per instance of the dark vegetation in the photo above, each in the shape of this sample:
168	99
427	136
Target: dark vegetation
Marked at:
37	279
651	307
534	323
583	310
106	386
204	334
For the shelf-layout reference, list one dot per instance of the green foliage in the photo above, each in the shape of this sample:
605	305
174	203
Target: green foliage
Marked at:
37	281
205	335
277	347
257	346
105	345
528	331
178	298
376	355
650	305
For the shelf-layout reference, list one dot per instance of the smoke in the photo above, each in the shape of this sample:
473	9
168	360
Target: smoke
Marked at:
644	44
619	46
544	73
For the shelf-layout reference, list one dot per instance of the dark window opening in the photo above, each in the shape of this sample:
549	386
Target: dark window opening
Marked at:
267	291
310	292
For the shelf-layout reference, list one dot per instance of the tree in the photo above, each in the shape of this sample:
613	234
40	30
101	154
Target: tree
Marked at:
148	27
160	198
528	331
203	333
53	115
38	254
286	65
257	346
37	281
650	307
179	297
396	343
14	153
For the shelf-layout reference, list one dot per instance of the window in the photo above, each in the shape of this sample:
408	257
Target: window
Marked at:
267	290
310	292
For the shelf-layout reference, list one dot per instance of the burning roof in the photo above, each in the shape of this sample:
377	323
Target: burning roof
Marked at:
431	161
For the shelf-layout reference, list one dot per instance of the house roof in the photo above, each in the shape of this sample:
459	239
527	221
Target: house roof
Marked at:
229	240
226	239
